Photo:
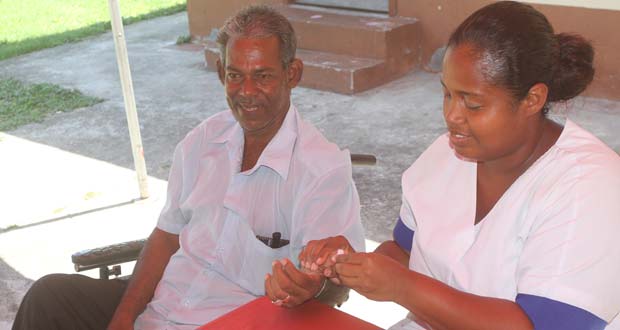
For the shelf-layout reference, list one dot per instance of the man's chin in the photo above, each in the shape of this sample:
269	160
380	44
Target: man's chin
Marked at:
252	128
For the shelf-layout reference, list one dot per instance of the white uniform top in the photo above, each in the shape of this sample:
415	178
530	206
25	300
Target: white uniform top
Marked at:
554	233
301	186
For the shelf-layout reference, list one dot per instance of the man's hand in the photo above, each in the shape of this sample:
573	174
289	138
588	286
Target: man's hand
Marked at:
288	286
319	256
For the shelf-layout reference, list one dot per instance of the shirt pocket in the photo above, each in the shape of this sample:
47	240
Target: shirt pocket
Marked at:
242	258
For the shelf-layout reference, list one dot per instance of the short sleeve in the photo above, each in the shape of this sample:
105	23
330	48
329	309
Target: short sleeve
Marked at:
329	207
403	236
572	254
406	215
171	218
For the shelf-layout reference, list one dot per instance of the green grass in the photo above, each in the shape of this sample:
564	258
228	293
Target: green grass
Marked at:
22	104
184	39
30	25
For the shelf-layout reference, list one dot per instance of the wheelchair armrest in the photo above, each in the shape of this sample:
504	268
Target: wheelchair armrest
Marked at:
116	254
107	255
363	159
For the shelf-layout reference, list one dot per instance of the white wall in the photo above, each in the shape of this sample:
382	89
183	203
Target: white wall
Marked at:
598	4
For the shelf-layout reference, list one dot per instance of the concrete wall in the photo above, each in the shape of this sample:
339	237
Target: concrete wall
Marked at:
439	18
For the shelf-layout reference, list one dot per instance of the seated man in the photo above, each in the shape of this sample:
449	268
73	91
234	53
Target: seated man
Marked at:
254	170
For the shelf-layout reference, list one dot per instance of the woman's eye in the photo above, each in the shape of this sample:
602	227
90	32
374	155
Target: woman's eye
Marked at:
473	106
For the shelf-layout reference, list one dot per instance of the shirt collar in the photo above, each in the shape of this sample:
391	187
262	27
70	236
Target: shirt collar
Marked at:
277	154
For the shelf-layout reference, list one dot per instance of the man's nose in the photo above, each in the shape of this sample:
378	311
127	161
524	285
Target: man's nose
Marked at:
248	87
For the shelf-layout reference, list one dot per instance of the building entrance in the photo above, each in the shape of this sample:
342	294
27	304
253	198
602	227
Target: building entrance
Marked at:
364	5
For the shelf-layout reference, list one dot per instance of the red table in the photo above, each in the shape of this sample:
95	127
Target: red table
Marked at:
261	314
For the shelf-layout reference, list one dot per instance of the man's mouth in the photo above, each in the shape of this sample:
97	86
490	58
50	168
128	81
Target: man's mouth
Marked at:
248	107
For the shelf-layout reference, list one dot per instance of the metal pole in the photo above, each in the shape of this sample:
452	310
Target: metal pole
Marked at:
130	101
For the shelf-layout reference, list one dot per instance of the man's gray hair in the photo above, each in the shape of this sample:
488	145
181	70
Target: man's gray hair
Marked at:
259	22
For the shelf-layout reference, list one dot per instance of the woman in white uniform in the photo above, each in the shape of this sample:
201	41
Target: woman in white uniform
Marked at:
515	219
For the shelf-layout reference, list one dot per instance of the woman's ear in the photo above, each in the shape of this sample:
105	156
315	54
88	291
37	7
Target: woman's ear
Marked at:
294	72
535	99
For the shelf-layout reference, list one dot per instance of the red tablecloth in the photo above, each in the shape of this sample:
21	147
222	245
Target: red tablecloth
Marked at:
261	314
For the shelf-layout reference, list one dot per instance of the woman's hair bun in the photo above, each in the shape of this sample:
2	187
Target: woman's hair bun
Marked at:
573	67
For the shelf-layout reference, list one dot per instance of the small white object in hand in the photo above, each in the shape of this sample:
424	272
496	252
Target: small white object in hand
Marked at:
339	252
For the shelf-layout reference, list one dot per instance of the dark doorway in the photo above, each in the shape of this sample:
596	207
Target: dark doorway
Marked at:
381	6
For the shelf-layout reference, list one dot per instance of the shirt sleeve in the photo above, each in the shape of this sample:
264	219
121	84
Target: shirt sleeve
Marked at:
403	236
406	215
329	207
571	253
171	218
548	314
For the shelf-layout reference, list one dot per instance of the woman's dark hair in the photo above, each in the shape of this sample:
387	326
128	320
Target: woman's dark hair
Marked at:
517	48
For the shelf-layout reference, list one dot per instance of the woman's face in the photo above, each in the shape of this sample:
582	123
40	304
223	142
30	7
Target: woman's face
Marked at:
484	121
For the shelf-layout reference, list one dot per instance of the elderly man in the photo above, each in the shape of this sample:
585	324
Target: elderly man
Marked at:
251	171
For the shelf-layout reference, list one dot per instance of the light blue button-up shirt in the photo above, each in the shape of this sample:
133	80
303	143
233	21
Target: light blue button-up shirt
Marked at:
301	186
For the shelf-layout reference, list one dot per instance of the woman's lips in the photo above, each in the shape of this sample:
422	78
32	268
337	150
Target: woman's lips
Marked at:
459	139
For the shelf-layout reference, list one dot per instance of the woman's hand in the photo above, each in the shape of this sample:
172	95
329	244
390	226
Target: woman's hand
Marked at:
373	275
318	256
287	286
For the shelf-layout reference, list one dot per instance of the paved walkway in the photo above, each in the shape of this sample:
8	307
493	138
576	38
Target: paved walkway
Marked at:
68	184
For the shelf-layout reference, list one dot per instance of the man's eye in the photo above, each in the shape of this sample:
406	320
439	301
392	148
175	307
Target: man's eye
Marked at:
233	76
263	76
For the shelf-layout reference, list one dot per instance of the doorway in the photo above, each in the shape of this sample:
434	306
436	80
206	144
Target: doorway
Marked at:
380	6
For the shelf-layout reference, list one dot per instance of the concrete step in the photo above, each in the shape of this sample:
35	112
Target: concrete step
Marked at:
326	71
347	51
353	33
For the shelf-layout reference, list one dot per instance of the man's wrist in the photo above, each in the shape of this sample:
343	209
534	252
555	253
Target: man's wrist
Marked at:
321	289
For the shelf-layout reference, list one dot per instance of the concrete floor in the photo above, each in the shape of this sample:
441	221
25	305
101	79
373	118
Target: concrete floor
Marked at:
68	180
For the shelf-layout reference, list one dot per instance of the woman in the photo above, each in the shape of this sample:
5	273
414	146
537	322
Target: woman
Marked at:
515	218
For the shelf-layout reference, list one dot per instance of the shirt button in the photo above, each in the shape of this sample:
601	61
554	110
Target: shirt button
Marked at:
186	302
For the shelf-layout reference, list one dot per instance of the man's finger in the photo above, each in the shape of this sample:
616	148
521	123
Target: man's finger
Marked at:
278	279
317	248
269	292
301	284
285	281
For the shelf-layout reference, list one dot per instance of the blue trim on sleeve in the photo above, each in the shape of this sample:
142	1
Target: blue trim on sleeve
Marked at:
403	235
548	314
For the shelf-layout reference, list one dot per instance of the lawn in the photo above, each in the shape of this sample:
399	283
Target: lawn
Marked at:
22	103
29	25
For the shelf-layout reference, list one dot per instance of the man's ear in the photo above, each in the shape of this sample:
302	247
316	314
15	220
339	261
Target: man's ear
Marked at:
535	99
294	72
220	70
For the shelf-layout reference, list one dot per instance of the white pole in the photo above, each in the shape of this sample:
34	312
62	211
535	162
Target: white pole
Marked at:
130	101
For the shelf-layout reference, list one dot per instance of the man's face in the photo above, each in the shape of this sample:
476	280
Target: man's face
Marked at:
258	88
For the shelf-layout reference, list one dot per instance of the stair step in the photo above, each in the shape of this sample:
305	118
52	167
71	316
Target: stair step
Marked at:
341	73
326	71
377	36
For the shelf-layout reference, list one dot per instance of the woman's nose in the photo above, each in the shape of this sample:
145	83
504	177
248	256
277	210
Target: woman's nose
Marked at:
453	113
